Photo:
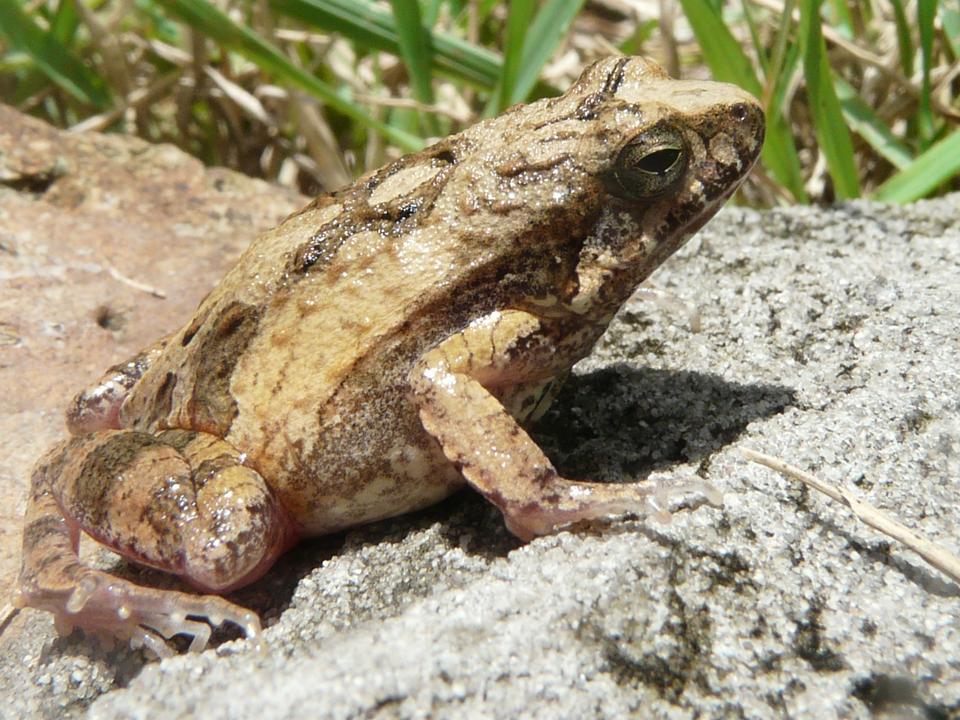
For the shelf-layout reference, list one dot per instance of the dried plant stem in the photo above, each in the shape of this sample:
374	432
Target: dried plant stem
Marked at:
935	555
7	613
135	284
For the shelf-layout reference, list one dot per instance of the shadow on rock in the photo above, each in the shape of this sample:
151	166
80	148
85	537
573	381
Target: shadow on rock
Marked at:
622	423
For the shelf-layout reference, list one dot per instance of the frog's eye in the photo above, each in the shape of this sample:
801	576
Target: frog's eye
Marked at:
650	164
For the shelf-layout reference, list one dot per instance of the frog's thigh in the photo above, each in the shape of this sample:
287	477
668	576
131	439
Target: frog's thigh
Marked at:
180	501
496	456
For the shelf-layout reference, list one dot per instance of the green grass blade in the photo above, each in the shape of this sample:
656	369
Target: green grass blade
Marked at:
366	24
518	23
416	48
863	121
160	26
728	62
65	22
357	21
926	12
832	133
758	45
633	45
431	11
904	37
549	27
64	68
950	17
722	52
484	9
937	165
63	25
778	74
841	19
783	80
213	23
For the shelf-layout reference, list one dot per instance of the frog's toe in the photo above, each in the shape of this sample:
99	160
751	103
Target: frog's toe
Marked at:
101	604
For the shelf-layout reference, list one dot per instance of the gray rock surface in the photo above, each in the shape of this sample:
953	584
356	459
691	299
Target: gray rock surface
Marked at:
830	338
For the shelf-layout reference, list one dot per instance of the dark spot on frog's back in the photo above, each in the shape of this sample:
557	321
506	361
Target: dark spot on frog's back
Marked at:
399	215
587	109
194	326
615	78
447	151
212	408
163	401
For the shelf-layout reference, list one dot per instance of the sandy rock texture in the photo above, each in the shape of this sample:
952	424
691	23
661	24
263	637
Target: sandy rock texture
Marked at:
830	338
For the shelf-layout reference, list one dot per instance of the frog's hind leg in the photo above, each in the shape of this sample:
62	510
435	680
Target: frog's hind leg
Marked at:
180	501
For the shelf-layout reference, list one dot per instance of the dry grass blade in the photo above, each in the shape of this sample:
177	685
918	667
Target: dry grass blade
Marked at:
250	104
206	18
7	613
937	165
135	284
114	63
864	57
136	99
935	555
454	114
828	123
330	169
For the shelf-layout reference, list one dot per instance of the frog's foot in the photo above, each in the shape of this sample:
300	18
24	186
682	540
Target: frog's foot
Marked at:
671	303
565	502
110	608
180	501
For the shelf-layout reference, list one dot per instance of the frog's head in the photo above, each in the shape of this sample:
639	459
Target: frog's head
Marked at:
659	157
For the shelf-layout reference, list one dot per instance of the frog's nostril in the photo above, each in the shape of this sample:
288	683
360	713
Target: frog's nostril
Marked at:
739	112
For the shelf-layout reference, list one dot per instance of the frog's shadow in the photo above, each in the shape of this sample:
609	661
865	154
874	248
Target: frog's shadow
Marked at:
616	424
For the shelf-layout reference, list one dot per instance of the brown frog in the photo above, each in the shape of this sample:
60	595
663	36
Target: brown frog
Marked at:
381	348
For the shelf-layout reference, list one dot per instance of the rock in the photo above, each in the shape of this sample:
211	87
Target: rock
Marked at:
829	339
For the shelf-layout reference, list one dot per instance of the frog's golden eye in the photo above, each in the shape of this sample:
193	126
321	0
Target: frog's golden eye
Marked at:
649	165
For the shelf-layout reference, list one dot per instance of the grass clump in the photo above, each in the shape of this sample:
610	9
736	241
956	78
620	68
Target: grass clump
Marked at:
861	96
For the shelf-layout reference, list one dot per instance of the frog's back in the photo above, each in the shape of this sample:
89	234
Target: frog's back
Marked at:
364	278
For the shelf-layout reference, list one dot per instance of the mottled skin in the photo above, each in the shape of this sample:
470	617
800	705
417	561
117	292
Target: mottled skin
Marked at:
382	347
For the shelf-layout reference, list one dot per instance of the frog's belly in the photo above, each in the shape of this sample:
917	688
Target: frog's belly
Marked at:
332	469
407	479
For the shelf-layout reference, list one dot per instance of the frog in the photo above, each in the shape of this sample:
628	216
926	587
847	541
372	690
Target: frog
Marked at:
383	347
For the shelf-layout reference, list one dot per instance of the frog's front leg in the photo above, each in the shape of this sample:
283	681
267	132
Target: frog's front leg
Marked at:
179	501
456	387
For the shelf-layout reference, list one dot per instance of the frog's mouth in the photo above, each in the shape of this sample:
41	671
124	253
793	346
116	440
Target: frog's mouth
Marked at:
700	209
713	204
